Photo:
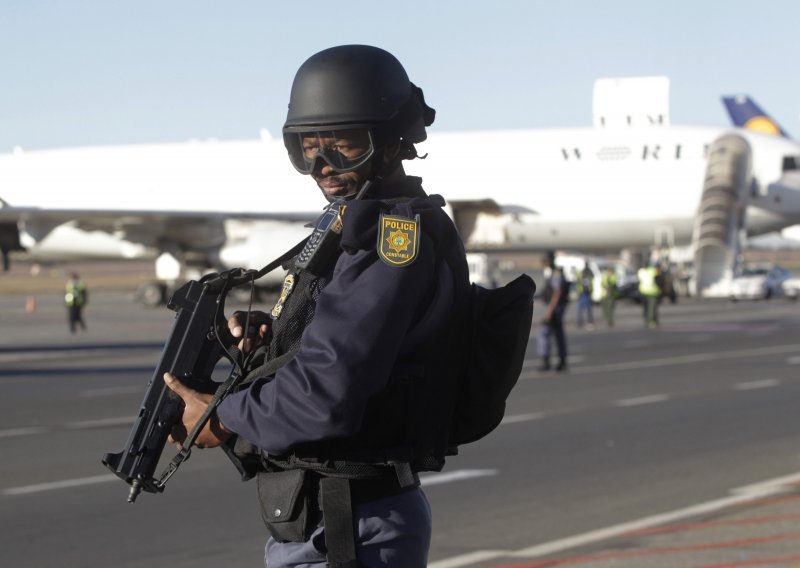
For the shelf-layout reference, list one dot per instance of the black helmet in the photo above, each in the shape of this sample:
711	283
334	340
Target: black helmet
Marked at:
354	87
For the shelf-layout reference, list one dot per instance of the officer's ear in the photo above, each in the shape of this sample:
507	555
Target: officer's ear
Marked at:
391	151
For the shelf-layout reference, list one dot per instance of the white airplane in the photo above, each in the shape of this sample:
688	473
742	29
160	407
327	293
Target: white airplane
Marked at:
198	204
745	113
631	180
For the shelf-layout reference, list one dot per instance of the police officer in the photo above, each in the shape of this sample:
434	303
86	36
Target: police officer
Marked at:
366	325
555	296
75	298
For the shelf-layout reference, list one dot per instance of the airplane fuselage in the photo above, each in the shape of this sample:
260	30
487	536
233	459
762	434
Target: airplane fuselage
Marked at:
580	188
595	188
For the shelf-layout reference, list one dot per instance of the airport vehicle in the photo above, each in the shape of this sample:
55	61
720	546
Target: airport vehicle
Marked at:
791	287
483	269
759	283
198	203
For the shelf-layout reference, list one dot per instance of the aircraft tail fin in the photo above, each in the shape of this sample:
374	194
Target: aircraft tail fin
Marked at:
745	113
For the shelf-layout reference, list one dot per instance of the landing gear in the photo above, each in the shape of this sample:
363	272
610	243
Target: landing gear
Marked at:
151	294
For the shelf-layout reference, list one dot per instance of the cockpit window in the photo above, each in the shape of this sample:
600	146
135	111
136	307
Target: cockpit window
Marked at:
791	163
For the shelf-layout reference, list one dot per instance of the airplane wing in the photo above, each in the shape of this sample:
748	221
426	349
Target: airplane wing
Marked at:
190	230
108	219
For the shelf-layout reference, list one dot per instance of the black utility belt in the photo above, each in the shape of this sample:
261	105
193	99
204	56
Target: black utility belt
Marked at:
363	490
292	501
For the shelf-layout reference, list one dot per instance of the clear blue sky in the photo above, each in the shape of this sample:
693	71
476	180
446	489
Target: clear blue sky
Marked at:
87	72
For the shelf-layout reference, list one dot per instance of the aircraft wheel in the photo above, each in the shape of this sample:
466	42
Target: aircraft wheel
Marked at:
152	294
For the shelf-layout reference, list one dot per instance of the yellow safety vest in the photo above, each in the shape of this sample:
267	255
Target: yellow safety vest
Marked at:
609	282
76	294
647	282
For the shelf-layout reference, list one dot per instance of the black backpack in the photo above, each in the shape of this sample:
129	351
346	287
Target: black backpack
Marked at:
493	350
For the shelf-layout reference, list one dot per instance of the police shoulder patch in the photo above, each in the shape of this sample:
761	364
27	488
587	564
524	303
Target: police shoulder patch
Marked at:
398	239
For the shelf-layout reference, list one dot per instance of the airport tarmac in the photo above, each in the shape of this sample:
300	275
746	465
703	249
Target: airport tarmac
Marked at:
676	447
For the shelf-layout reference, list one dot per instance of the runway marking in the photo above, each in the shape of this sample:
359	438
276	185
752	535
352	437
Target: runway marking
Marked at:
67	352
663	551
469	559
18	357
426	480
458	475
678	360
67	483
514	418
752	385
686	527
88	424
12	432
82	425
112	391
776	561
640	400
533	363
636	343
687	359
738	496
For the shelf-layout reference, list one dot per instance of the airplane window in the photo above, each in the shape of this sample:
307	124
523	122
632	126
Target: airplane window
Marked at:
791	163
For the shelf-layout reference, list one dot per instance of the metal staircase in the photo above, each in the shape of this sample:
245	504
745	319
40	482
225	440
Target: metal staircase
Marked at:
719	222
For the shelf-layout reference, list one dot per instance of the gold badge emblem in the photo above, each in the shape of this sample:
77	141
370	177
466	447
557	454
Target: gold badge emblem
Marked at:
398	240
288	286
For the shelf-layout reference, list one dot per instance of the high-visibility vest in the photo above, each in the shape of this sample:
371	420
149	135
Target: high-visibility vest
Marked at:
647	282
609	282
584	283
75	294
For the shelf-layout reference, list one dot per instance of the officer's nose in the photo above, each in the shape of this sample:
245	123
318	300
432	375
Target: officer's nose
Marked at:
326	169
322	168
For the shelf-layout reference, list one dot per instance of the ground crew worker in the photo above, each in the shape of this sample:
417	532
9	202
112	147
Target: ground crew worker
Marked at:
75	298
650	293
584	287
367	329
608	297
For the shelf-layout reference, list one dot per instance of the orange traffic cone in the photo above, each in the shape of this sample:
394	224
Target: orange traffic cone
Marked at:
30	305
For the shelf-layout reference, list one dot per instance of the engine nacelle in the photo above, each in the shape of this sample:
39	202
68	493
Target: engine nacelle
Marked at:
253	244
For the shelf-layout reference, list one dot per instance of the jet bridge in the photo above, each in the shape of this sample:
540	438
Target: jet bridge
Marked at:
719	223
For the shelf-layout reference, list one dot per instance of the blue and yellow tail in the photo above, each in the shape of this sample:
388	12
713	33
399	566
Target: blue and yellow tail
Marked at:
745	113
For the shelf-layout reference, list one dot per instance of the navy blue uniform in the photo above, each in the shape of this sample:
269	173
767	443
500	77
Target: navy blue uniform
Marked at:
369	315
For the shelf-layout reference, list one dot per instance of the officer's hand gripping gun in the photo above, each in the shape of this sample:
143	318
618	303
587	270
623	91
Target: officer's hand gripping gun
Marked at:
198	339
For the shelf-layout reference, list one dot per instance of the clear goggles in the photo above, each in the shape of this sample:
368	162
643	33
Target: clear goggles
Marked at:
343	150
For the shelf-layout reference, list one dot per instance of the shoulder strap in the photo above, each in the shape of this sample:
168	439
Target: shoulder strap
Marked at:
271	367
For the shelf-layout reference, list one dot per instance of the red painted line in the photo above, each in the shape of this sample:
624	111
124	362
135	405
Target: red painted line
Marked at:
652	552
744	505
763	562
710	524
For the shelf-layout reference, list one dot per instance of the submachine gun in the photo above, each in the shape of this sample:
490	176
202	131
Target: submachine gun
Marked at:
197	341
